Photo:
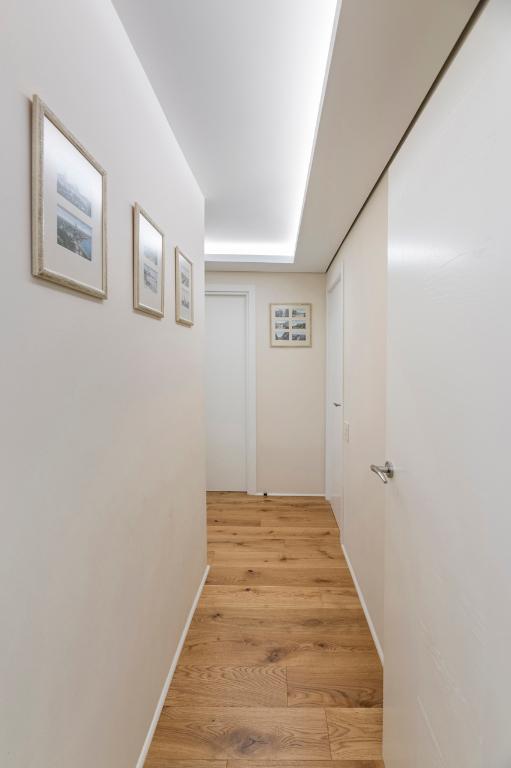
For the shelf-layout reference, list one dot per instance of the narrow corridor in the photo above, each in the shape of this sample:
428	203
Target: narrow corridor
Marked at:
279	665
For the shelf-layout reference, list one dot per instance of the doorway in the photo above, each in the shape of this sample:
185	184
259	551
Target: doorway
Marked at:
334	399
230	389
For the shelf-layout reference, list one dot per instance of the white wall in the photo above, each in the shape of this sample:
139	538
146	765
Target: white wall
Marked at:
290	385
448	565
364	257
102	542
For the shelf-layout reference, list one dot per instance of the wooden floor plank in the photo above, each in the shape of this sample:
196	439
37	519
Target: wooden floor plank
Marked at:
279	597
355	734
234	533
239	518
335	687
319	518
276	576
156	760
305	764
288	519
255	733
288	652
299	548
273	559
243	500
302	622
228	686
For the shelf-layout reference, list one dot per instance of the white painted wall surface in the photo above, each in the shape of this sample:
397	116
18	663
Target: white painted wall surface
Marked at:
364	257
226	392
448	567
102	543
290	385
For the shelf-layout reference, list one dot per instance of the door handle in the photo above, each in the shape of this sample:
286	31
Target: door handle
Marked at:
383	472
337	405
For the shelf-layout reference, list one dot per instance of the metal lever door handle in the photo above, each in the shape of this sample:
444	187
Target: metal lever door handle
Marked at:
383	472
337	405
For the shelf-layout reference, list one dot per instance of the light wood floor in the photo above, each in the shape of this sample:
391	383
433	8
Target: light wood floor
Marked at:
279	669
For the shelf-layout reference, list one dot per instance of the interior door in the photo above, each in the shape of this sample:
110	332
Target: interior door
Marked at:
334	401
226	392
448	520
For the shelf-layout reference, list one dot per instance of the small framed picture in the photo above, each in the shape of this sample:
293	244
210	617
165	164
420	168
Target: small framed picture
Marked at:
148	264
290	325
184	289
68	208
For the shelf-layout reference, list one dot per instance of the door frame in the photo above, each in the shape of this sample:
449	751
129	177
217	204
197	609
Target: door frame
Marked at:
337	279
249	293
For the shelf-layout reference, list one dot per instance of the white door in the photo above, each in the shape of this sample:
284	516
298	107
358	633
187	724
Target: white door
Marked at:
448	561
334	401
226	392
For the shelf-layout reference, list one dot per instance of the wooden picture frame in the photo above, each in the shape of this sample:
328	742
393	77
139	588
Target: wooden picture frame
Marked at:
148	264
184	288
69	224
291	325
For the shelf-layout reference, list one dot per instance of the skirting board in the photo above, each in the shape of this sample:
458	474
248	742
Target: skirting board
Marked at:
166	686
364	606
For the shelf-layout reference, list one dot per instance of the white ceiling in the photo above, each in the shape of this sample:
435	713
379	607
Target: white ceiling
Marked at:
386	57
241	82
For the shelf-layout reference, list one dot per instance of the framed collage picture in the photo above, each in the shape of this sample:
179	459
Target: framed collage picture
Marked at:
68	208
184	289
148	264
290	325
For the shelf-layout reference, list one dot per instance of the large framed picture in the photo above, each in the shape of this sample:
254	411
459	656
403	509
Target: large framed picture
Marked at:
68	208
290	325
148	264
184	289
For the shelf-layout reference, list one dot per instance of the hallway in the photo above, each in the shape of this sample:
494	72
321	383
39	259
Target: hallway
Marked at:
279	664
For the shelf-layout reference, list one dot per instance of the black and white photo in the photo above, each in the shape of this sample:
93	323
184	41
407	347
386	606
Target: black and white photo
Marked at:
72	192
73	234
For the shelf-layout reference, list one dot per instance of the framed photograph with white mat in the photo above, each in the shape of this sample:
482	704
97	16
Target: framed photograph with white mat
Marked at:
148	264
184	289
291	325
68	208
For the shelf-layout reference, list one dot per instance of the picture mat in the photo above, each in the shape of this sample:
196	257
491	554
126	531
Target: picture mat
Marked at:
285	322
61	157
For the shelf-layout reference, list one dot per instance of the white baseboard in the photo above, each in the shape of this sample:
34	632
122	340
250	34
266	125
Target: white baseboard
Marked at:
364	606
166	685
282	493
